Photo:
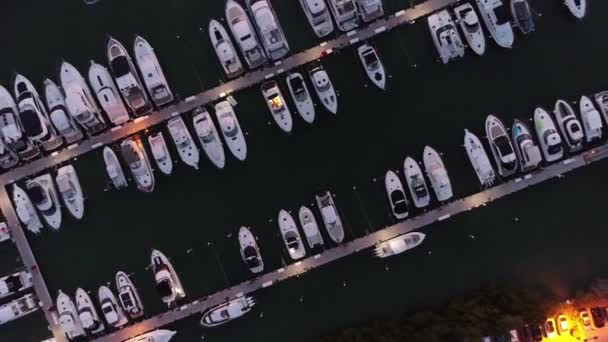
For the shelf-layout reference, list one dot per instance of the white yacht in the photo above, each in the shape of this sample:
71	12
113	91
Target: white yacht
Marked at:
398	244
592	122
188	152
129	83
18	308
373	65
25	210
5	233
135	156
128	296
324	88
522	15
14	283
8	157
501	146
301	96
168	284
345	13
277	105
268	27
152	73
70	191
370	9
225	51
471	28
107	94
445	36
437	173
231	130
496	17
318	16
578	8
310	227
225	312
526	149
87	313
68	317
330	216
12	131
291	235
43	194
416	183
114	169
602	101
479	159
160	152
250	252
550	140
112	312
569	125
396	195
58	113
244	34
158	335
209	137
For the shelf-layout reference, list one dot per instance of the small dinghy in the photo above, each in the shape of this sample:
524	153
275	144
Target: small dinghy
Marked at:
136	158
209	137
250	251
43	194
114	169
153	75
527	151
160	152
158	335
87	313
550	140
479	159
522	14
330	216
496	17
318	16
112	312
70	191
107	94
602	101
592	121
25	210
310	227
244	34
399	244
188	152
68	317
231	130
569	125
128	296
324	88
501	146
578	8
301	96
226	312
291	236
416	183
225	51
396	195
168	284
277	105
58	113
437	173
373	65
470	26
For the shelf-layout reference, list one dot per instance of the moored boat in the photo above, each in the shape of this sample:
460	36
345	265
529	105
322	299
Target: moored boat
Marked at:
602	101
277	105
225	51
578	8
324	88
527	151
398	244
43	194
437	173
396	195
225	312
370	9
87	313
68	317
330	216
168	283
11	129
107	94
522	14
592	121
14	283
128	296
471	28
569	125
231	130
112	312
186	148
26	212
153	76
58	113
244	34
416	183
445	36
250	252
158	335
70	190
18	308
318	16
479	159
345	13
501	146
310	227
496	17
136	158
301	96
268	27
373	65
160	152
208	137
550	140
291	235
114	169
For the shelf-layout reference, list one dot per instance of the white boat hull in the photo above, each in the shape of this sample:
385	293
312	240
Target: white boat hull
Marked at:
153	75
224	49
501	32
324	89
87	313
373	68
231	130
398	244
51	216
310	227
469	23
437	173
114	169
188	152
592	121
291	236
330	216
117	317
160	153
250	252
209	138
68	317
550	141
396	195
26	211
416	183
301	97
70	190
107	94
479	159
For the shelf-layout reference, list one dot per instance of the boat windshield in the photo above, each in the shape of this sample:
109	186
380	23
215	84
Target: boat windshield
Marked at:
126	300
37	194
32	125
253	262
250	252
228	126
370	57
297	85
107	308
120	66
502	15
131	156
164	288
419	188
345	7
504	145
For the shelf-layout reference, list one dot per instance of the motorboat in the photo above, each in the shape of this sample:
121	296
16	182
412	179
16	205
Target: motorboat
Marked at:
373	65
522	15
414	179
130	85
128	296
578	8
135	156
244	34
479	159
471	28
158	335
11	130
160	152
43	194
250	252
153	76
345	13
592	121
318	16
324	88
569	125
25	210
370	9
87	313
602	101
550	140
70	191
186	148
445	36
208	137
18	308
501	146
277	105
68	317
527	151
396	195
291	236
231	130
496	17
268	27
437	173
8	157
225	51
112	312
114	169
225	312
58	113
301	96
310	227
5	233
398	244
107	94
330	216
14	283
167	282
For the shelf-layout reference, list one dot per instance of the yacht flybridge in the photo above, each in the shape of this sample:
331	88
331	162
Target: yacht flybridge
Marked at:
244	34
209	137
135	156
250	251
469	23
318	16
496	17
107	94
398	244
188	152
345	13
167	282
153	76
330	216
70	191
58	113
225	312
225	51
68	317
445	36
277	105
11	130
479	159
268	27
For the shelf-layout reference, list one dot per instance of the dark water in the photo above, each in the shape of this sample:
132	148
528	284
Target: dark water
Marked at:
551	236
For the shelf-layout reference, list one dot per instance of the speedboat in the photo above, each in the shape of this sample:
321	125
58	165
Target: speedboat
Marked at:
59	116
136	158
526	149
522	15
8	157
268	27
128	296
18	308
112	312
592	122
277	105
569	125
370	9
318	16
345	13
372	65
231	130
107	94
113	169
398	244
129	83
291	235
396	195
301	96
324	88
416	183
310	227
471	28
244	34
11	130
225	312
70	190
496	17
479	159
43	194
224	49
188	152
445	36
25	210
14	283
160	152
152	73
167	282
550	140
330	216
87	313
602	101
501	146
578	8
209	137
437	173
68	317
250	251
158	335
